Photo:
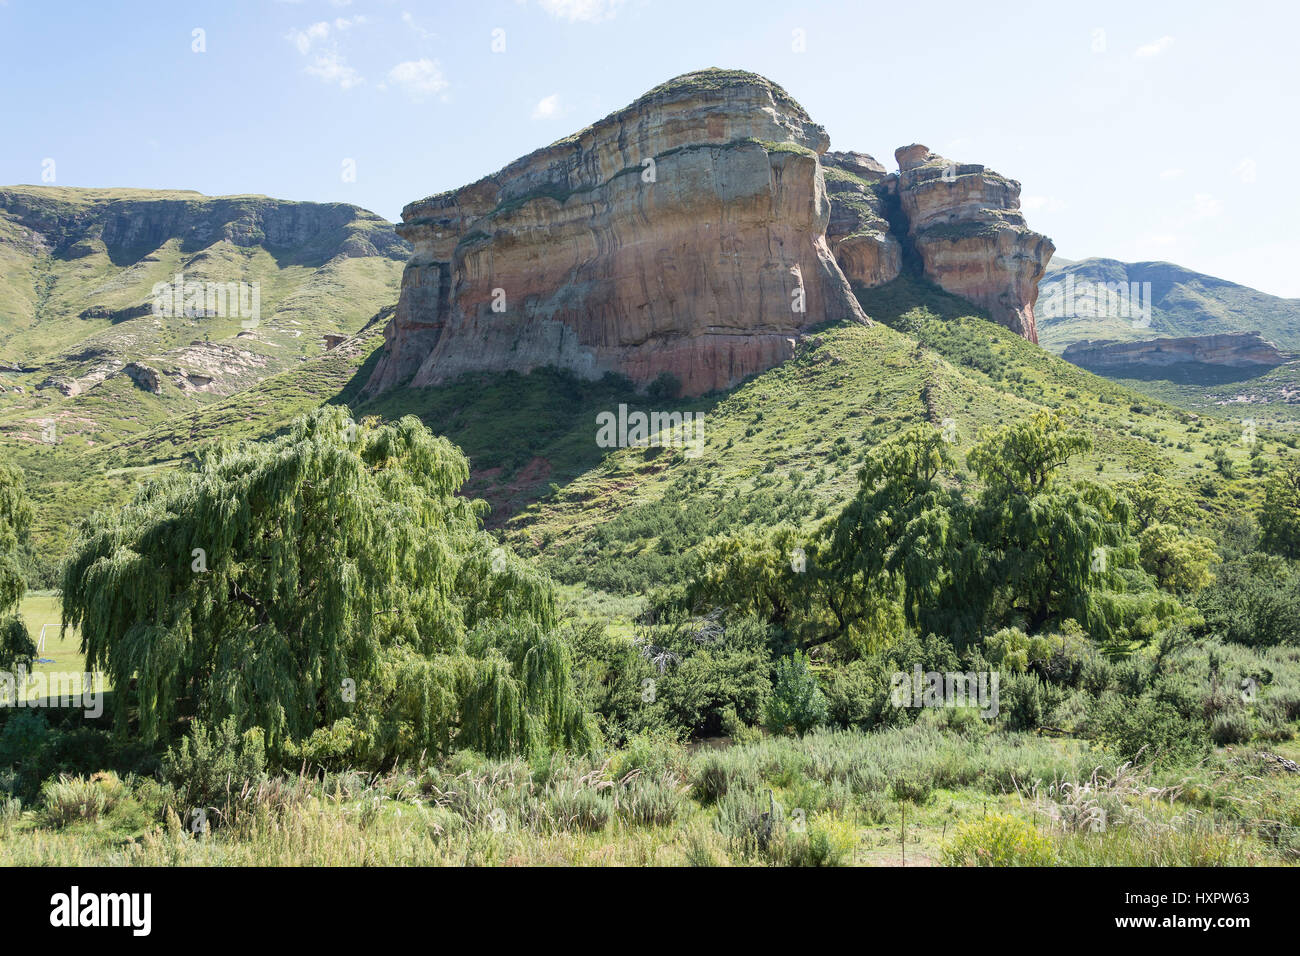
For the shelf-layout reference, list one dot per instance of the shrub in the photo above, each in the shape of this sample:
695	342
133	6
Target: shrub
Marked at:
68	800
826	843
1230	727
720	772
650	802
797	703
749	821
665	386
1130	726
912	786
210	768
580	807
998	840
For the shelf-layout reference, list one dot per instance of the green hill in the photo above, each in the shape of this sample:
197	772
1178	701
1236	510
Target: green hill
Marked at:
1183	302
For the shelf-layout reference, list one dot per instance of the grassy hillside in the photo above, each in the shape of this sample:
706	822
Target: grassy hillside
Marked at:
784	446
1183	303
78	272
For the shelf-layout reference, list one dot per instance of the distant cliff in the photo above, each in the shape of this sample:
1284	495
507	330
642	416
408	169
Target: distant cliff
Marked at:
91	303
696	232
1229	350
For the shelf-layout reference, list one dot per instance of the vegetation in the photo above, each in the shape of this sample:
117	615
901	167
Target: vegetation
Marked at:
320	655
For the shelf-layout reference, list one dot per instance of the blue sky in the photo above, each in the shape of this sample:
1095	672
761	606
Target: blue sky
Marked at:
1138	130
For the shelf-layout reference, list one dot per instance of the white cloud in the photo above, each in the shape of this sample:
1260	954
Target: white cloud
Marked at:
1246	170
415	28
588	11
1173	173
327	63
547	108
1155	47
419	78
1205	206
304	39
331	68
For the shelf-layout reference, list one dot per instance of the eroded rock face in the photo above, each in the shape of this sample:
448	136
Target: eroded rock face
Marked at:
697	233
144	376
859	232
964	222
1230	350
684	234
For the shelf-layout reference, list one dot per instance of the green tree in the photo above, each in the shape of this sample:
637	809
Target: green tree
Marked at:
1180	563
16	645
797	703
1279	517
1154	499
894	551
331	588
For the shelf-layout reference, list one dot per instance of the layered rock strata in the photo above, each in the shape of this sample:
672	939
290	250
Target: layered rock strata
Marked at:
1229	350
695	233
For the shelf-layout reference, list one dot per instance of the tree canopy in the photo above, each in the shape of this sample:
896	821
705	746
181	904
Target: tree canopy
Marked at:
914	549
16	645
332	588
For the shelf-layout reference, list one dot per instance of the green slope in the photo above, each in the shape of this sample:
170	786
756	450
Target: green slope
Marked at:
1183	303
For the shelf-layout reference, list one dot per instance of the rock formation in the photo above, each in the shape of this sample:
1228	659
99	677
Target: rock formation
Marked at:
965	223
1229	350
696	233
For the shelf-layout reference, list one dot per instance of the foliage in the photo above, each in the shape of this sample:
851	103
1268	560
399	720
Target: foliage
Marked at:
210	768
998	840
330	575
1279	517
16	645
796	704
1180	563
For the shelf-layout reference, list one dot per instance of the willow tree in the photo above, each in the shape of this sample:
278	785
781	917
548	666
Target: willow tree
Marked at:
16	645
330	587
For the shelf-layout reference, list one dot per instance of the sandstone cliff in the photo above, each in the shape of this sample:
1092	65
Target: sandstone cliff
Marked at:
965	223
1230	350
697	233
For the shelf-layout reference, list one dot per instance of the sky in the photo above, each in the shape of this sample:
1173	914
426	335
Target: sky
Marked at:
1139	131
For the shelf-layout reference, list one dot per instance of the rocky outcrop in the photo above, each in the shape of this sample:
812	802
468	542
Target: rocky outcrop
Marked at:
144	376
1228	350
128	224
695	233
684	235
858	232
964	222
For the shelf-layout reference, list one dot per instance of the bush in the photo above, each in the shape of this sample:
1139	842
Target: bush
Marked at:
827	842
665	386
749	822
1230	727
68	800
1154	729
797	703
580	807
650	802
211	768
720	772
998	840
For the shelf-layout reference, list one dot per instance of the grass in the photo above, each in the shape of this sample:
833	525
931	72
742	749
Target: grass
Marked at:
62	652
825	799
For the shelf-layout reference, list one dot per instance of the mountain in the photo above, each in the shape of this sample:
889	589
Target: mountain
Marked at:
936	326
1182	303
695	234
152	302
1192	340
